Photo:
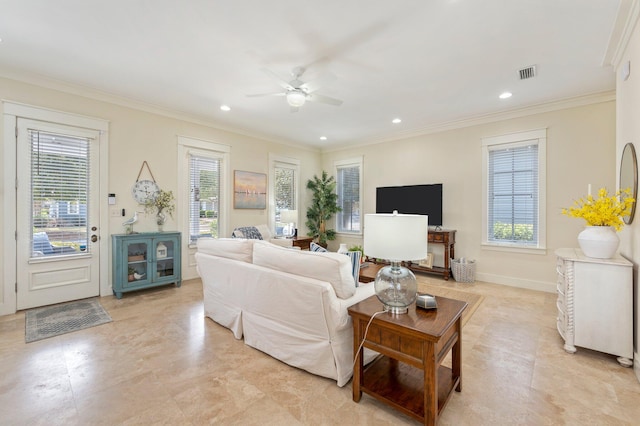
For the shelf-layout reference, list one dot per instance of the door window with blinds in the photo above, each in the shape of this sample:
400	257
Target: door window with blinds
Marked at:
348	187
60	178
514	211
204	197
285	187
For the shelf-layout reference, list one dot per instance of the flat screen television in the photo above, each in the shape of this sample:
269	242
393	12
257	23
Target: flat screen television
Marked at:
412	199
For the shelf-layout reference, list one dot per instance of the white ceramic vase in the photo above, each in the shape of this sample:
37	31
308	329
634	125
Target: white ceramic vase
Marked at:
343	249
600	242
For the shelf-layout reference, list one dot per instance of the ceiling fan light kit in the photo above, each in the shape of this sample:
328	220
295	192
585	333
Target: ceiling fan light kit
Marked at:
297	92
296	98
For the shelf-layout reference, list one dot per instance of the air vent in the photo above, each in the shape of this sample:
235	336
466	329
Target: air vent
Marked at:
528	72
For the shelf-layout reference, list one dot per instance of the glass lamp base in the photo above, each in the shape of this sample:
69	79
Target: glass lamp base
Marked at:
396	309
396	287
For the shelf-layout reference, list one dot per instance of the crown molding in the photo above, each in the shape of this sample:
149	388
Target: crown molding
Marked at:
540	108
127	102
626	20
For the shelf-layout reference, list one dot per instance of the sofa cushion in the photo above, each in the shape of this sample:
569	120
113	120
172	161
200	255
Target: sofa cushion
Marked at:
329	267
230	248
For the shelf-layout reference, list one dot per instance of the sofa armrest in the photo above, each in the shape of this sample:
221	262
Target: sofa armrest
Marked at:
363	292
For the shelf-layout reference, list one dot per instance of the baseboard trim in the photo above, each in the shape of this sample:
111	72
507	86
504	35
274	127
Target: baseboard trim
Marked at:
517	282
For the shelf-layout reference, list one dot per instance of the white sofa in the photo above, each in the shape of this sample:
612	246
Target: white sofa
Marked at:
287	303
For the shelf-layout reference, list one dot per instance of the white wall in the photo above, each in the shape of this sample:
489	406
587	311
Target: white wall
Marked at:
628	130
580	150
136	136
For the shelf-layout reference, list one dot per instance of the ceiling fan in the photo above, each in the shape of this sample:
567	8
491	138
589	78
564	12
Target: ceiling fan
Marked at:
297	91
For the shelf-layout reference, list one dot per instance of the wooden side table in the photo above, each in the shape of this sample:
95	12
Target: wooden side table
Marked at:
446	238
303	242
409	376
369	272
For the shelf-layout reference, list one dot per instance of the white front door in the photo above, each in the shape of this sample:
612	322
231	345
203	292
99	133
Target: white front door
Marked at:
57	213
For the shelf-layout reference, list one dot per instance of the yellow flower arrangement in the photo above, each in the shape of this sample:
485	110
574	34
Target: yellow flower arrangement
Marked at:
605	210
163	202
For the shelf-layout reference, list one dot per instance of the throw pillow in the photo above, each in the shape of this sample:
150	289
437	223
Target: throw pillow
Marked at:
248	232
355	265
317	247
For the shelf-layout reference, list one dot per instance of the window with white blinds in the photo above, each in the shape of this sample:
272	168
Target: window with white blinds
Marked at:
204	197
285	191
60	178
348	188
514	213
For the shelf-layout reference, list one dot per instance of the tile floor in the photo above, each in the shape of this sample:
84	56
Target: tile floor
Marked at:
161	362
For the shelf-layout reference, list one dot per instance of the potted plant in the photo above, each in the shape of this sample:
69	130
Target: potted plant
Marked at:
324	204
130	272
162	204
604	216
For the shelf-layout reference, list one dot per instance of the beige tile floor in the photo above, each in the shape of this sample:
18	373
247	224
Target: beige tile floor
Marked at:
161	362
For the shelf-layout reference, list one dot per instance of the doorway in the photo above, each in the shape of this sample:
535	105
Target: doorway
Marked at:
58	214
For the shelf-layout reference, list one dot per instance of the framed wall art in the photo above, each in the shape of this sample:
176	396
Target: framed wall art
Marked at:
249	190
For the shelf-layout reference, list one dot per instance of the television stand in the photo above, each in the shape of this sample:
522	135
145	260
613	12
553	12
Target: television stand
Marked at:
446	237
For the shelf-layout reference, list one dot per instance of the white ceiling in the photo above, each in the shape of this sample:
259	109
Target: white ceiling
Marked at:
429	62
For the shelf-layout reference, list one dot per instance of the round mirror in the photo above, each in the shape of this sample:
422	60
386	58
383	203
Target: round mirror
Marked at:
629	176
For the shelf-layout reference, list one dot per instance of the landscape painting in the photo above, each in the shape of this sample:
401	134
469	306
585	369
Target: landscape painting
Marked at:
249	190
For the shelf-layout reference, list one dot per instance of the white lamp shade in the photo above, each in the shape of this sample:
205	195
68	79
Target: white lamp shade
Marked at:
396	237
288	216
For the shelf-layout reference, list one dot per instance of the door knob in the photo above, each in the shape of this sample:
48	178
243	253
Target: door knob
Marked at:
94	238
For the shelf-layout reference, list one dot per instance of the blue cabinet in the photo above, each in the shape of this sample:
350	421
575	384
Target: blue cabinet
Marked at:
145	260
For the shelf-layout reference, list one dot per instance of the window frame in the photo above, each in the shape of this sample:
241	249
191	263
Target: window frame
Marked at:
186	148
343	164
278	161
538	137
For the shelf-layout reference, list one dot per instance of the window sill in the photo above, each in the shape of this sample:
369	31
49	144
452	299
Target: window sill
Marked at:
513	248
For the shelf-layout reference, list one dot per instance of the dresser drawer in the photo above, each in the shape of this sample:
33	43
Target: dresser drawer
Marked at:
434	237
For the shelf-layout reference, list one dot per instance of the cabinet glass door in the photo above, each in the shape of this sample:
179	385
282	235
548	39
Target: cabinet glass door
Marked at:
137	262
165	250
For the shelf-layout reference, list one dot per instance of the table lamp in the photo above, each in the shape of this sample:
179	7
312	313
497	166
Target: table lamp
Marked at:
396	237
289	219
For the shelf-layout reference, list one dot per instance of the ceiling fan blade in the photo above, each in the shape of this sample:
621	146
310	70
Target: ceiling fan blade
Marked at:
312	86
266	94
314	97
278	80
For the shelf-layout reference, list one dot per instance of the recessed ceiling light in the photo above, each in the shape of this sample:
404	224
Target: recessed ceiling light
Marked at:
396	121
505	95
225	107
323	138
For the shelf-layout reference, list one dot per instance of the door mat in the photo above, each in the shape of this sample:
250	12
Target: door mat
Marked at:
42	323
473	300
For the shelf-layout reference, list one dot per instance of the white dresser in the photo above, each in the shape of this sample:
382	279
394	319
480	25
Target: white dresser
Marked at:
595	303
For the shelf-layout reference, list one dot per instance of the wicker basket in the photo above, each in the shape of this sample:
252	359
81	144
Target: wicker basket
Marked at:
463	272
